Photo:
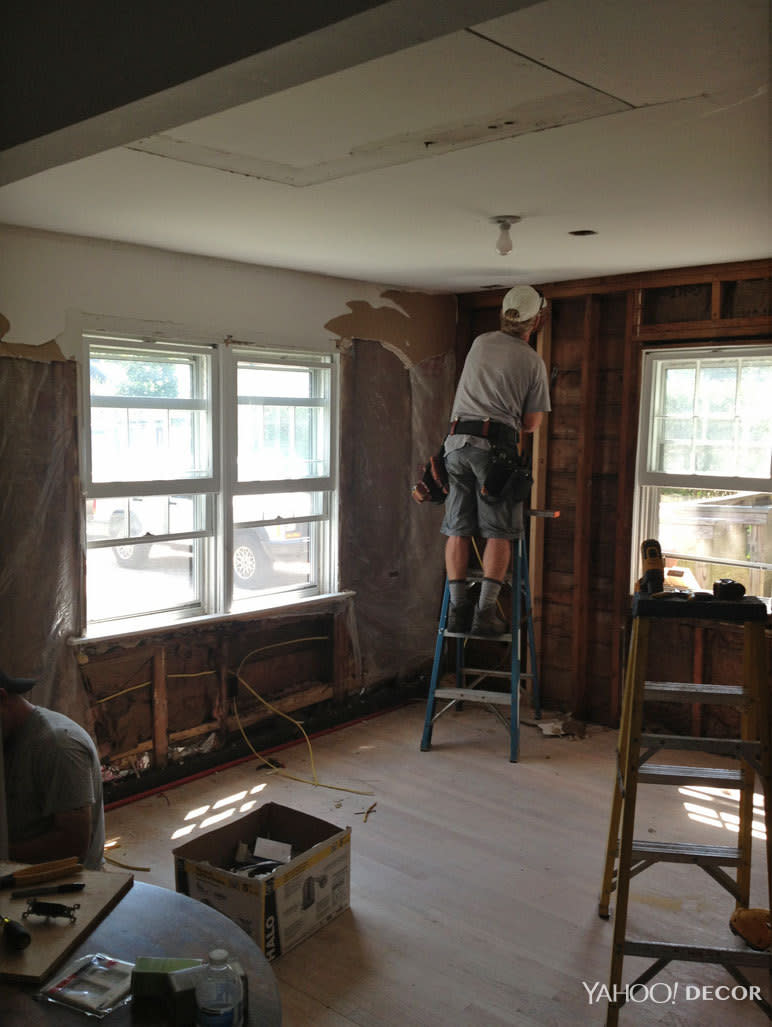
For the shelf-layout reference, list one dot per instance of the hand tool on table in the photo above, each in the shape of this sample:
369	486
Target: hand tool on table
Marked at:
54	889
14	935
35	907
37	873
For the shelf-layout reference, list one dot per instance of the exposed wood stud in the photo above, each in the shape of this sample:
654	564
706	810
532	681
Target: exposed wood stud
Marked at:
160	708
698	677
584	505
223	706
539	501
628	431
715	300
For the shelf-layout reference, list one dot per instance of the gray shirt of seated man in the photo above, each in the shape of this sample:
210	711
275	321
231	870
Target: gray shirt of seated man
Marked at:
52	767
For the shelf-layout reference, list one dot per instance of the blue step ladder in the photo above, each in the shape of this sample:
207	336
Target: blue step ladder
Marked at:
463	692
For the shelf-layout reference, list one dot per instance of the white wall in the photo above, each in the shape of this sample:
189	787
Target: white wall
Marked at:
50	281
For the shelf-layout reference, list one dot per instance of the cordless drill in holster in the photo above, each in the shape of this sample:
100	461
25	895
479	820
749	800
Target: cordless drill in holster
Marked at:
653	566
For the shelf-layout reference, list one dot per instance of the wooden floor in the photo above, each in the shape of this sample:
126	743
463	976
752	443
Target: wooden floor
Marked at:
475	880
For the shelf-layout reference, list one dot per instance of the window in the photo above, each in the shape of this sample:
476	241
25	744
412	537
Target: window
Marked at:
208	478
704	465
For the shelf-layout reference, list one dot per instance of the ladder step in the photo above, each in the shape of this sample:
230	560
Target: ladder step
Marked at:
507	637
697	953
678	691
474	695
733	747
486	672
686	852
661	774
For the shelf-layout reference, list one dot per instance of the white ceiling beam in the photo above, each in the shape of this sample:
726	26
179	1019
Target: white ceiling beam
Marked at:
380	30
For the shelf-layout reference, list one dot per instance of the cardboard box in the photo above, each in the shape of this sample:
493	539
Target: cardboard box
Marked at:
280	909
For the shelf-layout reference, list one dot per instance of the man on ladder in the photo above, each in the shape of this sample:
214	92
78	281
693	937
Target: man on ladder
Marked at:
503	390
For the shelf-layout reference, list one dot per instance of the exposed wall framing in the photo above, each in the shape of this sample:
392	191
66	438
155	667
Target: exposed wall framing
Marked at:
163	693
584	461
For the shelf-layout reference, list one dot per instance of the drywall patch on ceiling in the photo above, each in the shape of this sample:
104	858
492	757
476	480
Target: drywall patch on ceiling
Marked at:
415	327
570	107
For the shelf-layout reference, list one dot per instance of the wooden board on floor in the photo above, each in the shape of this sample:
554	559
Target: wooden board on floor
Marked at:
54	939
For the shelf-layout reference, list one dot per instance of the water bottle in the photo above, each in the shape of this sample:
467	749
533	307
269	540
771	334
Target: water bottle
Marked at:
219	998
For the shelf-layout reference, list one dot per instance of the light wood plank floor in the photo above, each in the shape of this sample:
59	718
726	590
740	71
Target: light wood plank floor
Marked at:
474	881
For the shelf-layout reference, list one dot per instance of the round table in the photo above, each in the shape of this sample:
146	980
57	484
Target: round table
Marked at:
151	921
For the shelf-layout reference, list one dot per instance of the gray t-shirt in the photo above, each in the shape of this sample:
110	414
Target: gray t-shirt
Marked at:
52	766
503	378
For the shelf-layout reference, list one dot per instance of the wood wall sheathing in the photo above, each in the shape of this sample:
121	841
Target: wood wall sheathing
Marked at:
587	354
585	467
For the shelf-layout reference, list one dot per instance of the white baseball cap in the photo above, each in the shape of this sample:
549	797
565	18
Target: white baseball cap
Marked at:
17	685
522	303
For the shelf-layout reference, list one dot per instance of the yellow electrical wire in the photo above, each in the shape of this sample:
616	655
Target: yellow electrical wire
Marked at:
126	866
315	780
146	684
125	691
193	674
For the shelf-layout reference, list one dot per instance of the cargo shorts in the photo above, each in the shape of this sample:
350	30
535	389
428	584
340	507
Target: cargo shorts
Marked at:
468	513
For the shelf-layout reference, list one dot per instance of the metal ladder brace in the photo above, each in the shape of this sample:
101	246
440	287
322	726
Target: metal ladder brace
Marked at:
521	598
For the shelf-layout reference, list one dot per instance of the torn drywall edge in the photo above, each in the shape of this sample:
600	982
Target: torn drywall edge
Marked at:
46	352
413	326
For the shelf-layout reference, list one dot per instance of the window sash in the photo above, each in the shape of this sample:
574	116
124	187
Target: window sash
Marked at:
214	398
656	363
203	432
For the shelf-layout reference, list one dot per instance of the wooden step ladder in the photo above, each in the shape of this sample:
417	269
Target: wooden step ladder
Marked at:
626	856
469	692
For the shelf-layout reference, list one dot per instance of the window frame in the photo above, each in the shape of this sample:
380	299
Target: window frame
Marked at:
215	585
647	481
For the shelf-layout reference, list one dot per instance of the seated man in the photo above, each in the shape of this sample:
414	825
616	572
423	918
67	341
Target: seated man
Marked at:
53	782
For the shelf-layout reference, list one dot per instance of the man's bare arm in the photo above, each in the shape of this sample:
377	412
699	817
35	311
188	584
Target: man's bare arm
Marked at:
69	836
532	421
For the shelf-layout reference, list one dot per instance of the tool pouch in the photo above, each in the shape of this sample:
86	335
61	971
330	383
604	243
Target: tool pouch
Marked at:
432	487
509	476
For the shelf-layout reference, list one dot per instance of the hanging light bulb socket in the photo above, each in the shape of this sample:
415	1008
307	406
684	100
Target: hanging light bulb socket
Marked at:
504	241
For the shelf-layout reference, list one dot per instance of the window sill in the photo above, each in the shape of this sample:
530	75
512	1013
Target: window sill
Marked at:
329	599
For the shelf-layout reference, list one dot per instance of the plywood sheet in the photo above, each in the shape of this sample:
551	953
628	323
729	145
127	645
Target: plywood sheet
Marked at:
54	939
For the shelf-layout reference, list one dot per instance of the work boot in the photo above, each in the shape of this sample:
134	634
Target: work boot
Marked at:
460	616
487	622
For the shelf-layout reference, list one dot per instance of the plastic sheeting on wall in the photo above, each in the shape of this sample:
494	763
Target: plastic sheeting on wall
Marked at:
39	530
391	550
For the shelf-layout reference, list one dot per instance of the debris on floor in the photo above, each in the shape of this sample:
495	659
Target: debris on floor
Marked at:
366	812
177	753
566	725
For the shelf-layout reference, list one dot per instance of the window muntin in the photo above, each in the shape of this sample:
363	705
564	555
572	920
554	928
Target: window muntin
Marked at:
167	539
703	480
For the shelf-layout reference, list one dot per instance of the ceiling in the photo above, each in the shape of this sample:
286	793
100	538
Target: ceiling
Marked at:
645	122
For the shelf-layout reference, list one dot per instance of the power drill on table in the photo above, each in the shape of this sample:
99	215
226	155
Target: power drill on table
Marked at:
652	580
